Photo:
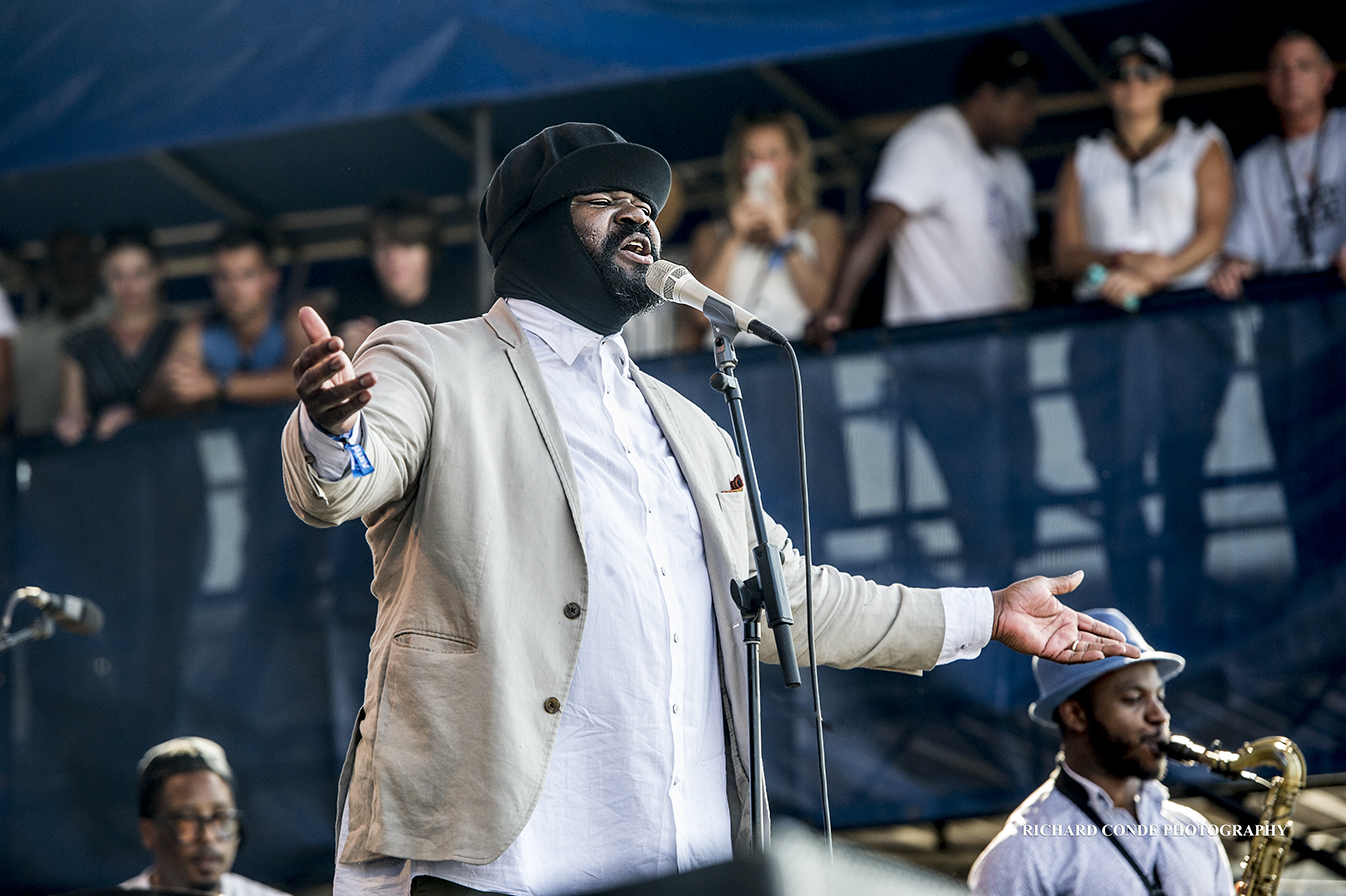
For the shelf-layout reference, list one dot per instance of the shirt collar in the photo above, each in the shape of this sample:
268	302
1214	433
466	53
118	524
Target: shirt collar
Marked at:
562	335
965	135
1151	793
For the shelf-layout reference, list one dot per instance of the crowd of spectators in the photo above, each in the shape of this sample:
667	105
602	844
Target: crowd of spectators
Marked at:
1149	204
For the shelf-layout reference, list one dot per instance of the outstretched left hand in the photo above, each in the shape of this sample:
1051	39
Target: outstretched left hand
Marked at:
1029	619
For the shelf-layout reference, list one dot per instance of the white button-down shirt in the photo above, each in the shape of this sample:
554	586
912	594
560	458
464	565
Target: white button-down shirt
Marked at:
1049	847
636	783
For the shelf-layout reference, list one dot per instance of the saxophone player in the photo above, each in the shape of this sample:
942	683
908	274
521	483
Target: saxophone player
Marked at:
1102	824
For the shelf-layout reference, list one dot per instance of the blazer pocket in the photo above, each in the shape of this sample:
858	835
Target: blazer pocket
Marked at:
738	522
434	642
734	503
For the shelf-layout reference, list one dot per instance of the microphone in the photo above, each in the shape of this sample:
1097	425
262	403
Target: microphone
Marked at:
78	615
676	284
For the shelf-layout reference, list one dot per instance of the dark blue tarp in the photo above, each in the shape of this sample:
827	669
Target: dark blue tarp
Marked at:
92	80
1192	460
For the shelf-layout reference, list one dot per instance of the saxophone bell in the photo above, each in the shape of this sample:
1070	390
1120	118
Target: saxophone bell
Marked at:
1267	852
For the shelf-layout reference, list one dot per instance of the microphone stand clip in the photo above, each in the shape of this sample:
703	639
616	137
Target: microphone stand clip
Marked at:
42	627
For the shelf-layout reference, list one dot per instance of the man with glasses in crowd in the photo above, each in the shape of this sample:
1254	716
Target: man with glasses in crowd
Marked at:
1291	211
189	821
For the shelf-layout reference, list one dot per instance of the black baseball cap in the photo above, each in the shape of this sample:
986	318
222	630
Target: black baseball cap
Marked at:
562	161
998	61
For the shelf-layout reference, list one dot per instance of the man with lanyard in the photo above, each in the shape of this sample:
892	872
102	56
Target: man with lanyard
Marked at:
1102	824
1291	209
556	683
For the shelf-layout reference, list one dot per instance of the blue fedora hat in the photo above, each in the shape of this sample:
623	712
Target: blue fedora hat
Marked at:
1058	681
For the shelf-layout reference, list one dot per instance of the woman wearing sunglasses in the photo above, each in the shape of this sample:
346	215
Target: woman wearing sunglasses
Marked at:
1144	206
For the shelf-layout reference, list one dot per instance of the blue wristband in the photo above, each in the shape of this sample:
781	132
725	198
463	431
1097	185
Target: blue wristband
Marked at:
360	465
782	249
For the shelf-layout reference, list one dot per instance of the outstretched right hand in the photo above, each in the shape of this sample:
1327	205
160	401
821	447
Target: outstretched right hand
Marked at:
325	378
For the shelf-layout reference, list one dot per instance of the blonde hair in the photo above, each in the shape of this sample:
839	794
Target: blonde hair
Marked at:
801	191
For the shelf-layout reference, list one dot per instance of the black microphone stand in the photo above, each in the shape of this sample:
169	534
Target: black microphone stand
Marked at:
764	592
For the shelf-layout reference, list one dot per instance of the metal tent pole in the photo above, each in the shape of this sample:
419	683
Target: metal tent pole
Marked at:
483	166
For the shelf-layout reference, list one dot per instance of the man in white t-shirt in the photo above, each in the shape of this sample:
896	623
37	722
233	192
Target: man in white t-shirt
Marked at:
952	201
1277	229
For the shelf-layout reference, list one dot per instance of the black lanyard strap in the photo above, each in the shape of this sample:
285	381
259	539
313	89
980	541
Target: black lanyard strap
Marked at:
1304	212
1074	791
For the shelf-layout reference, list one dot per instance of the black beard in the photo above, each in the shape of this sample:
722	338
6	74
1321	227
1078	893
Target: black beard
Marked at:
627	288
1111	754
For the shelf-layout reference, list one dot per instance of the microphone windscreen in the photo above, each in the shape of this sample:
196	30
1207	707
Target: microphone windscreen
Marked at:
662	276
90	621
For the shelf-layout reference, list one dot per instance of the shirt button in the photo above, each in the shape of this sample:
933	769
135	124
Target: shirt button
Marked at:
572	610
662	571
675	637
675	707
551	705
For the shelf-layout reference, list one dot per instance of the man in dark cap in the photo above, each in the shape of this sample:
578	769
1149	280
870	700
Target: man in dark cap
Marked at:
556	681
951	202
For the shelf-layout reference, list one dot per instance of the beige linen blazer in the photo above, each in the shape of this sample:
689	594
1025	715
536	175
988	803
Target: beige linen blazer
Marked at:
475	524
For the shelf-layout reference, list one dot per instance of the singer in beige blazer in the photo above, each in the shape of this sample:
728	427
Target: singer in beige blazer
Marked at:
475	526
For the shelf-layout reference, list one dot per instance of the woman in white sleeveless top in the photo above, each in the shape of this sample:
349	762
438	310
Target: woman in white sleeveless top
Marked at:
777	253
1145	207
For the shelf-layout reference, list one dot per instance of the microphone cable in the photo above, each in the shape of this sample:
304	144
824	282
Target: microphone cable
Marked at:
808	596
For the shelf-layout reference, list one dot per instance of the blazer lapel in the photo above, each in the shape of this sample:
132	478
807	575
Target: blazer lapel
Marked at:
529	375
698	471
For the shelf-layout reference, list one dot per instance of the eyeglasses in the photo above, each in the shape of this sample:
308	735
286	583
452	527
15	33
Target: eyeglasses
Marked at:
1144	72
187	827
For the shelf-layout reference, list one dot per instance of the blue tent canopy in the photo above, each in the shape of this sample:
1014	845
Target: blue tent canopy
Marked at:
90	81
181	115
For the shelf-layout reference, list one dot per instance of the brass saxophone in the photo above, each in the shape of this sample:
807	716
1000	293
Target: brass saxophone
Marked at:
1271	844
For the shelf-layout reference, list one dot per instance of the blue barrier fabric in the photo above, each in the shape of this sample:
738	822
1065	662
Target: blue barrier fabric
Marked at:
217	624
1192	460
89	80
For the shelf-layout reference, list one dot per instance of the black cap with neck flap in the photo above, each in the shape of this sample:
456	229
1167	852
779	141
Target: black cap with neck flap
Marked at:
525	217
